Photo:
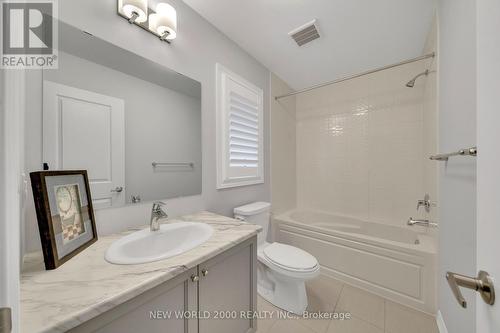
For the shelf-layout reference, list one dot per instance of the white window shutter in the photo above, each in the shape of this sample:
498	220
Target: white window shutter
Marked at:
240	157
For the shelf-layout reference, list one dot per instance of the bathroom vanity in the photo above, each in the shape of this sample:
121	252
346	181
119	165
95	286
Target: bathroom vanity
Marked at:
206	289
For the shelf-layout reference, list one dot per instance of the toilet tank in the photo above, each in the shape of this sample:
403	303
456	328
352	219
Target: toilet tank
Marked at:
256	213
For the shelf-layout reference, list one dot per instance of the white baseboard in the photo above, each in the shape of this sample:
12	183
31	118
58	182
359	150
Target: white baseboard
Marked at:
440	323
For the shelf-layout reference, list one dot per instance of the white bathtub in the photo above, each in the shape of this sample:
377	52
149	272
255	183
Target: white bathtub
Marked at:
397	263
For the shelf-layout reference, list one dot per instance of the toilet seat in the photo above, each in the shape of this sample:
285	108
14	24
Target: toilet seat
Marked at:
288	259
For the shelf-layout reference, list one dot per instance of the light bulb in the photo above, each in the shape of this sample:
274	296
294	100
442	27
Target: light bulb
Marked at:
164	21
137	8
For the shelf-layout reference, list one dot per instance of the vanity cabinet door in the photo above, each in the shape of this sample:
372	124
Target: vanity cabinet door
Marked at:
228	287
178	295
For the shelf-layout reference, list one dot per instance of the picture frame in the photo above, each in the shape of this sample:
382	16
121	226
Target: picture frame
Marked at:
65	215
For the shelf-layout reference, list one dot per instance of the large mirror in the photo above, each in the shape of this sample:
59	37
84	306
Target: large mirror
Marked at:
133	124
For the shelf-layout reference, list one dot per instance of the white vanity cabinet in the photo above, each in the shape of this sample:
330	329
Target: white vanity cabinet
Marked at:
218	291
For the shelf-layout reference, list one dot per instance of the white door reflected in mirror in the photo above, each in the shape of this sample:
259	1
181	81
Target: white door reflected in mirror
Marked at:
84	130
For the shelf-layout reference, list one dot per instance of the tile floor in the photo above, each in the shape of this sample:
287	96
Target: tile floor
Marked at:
370	313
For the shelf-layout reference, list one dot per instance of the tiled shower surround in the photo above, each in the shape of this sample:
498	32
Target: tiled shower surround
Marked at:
361	146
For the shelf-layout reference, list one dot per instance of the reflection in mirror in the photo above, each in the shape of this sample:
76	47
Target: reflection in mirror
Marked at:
132	123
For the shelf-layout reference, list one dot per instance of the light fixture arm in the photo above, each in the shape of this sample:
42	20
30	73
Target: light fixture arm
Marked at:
164	37
133	18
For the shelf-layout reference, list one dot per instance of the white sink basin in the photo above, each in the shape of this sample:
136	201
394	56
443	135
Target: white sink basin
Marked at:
147	246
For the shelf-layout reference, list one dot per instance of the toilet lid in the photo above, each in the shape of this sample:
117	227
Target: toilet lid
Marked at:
290	257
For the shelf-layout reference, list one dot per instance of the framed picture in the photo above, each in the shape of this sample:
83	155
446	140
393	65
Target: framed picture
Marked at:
65	215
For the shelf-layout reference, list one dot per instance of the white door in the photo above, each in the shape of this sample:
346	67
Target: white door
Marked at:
469	75
86	130
488	161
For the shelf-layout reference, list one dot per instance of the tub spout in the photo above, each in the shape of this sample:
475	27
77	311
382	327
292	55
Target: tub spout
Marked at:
425	223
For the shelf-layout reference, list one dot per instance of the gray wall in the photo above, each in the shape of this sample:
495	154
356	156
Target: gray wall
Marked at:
194	53
457	94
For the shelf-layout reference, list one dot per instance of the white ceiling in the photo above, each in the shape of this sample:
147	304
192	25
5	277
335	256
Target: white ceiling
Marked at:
356	35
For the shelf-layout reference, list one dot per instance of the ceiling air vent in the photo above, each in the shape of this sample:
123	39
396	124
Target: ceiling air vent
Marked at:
305	34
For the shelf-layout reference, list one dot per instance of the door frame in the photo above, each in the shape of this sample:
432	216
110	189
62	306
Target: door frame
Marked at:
13	189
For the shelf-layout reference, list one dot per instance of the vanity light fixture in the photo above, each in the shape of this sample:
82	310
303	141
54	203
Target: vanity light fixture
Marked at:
162	21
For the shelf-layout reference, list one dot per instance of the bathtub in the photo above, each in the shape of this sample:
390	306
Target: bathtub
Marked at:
397	263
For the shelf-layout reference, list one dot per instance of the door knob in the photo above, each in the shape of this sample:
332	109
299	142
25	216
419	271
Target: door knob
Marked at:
195	278
483	284
204	272
117	189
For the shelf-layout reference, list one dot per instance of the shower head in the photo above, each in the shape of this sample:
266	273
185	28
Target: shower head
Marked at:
411	83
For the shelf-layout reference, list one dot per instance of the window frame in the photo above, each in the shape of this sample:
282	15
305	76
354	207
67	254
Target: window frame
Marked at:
224	179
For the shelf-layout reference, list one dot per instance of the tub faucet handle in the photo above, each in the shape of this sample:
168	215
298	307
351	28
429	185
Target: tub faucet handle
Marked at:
425	202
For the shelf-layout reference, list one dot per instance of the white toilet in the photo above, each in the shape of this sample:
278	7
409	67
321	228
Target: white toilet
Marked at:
282	269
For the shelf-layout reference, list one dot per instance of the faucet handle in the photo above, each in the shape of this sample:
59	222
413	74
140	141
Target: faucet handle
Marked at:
426	203
157	205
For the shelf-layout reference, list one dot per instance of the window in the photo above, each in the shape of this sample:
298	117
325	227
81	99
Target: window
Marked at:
240	157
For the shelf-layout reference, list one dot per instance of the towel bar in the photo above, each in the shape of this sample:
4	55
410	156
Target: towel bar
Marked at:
462	152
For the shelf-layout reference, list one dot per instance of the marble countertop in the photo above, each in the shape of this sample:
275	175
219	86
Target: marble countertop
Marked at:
86	286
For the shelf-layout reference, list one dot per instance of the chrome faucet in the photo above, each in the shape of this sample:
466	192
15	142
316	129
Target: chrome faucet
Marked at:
157	213
425	223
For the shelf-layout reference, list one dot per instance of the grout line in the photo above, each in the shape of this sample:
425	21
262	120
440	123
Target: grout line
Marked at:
385	315
338	299
335	307
367	322
356	316
274	308
371	324
330	322
270	327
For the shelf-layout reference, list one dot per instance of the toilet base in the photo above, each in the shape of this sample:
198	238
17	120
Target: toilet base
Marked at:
285	292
